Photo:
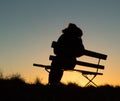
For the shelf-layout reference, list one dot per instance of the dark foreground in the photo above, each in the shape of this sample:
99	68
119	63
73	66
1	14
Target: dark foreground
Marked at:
16	89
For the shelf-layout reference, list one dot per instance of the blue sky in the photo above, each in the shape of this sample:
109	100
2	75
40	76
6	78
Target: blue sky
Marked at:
27	28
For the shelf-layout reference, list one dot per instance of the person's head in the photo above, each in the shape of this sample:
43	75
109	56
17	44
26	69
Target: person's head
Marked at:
73	30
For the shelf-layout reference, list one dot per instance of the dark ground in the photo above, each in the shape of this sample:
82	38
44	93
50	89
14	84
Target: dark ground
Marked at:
15	89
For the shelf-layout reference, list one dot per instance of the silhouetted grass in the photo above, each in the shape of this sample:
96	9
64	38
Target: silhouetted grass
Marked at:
14	88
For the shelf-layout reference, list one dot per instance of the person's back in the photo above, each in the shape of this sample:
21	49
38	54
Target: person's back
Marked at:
69	46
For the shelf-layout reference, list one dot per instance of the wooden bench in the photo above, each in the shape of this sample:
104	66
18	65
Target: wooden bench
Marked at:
85	73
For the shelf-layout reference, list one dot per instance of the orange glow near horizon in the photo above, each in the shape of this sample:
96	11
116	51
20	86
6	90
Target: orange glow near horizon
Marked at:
30	73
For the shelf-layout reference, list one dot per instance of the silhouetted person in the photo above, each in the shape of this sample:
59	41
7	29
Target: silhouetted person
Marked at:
69	47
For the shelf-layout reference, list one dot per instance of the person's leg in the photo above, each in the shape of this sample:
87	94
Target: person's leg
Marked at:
55	76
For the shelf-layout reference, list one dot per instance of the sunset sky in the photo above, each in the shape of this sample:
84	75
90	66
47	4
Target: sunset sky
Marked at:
28	27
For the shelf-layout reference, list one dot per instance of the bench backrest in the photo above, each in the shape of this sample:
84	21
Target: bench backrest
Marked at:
87	53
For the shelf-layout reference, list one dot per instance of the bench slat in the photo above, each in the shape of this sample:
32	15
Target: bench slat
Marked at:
43	66
87	72
89	64
95	54
82	71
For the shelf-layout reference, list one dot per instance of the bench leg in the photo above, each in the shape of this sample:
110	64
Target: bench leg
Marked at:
90	80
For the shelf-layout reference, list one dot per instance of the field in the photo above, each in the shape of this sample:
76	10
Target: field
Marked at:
15	89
